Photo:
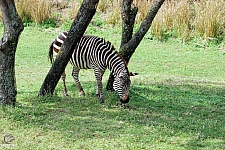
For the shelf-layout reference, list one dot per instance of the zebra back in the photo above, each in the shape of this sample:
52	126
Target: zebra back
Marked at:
100	50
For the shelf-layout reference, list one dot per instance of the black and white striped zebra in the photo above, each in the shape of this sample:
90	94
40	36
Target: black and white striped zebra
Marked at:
94	52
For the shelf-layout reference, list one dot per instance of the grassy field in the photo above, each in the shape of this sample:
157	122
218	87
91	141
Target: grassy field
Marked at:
177	100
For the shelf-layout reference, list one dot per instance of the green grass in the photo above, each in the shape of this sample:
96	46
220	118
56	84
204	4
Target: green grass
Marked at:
177	100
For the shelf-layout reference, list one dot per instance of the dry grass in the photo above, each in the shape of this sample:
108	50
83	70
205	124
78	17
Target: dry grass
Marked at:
113	15
104	5
143	7
210	18
74	8
173	17
184	19
34	10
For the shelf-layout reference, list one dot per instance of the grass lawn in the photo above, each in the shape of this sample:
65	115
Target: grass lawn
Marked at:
177	100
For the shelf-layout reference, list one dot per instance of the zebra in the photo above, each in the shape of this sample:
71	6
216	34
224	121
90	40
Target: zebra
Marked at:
93	52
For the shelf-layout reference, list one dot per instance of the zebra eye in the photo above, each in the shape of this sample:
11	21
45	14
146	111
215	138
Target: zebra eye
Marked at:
121	76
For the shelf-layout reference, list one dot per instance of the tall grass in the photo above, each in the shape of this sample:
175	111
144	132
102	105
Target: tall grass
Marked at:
34	10
104	5
186	19
114	14
74	8
182	19
210	18
143	7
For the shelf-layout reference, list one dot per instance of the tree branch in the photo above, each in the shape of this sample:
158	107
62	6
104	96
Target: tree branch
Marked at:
129	48
128	20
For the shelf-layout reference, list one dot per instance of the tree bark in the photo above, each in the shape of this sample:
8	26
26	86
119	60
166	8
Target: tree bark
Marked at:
130	43
129	48
13	26
78	27
128	20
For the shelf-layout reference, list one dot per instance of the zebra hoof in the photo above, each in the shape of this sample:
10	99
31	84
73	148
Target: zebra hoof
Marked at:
102	101
65	94
82	94
122	105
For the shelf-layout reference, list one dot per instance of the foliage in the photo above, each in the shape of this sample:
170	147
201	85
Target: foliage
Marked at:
177	100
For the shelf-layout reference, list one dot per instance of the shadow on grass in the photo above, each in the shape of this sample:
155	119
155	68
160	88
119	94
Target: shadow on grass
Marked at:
157	112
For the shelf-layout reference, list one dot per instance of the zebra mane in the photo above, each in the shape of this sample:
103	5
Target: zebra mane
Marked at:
114	49
125	63
111	45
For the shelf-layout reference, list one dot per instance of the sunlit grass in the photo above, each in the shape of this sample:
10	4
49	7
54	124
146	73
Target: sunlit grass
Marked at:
177	100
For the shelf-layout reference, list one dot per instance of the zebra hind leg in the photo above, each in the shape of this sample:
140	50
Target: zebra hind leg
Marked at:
63	77
75	74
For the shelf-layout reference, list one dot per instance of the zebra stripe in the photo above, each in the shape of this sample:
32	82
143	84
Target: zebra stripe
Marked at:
92	52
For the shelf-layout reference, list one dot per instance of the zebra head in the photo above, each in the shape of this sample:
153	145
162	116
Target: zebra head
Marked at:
121	85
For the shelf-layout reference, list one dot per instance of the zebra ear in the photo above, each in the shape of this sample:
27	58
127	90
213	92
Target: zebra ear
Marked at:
133	74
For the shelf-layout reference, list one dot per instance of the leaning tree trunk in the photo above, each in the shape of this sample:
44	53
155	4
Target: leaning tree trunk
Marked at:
13	26
79	25
129	43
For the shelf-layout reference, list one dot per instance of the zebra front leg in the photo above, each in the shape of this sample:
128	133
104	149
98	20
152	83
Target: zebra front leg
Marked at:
75	74
98	75
63	77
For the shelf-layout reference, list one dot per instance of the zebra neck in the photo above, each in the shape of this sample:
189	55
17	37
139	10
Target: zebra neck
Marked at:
116	65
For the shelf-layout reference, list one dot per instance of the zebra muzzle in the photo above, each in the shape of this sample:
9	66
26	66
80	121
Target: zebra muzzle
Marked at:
125	99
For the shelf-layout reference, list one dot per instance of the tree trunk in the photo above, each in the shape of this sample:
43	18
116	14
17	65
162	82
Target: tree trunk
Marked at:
79	25
13	26
129	48
130	43
128	20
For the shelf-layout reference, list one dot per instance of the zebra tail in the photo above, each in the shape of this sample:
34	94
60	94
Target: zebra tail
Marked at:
50	53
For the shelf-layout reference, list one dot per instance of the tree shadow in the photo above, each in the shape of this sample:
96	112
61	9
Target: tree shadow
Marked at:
195	110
